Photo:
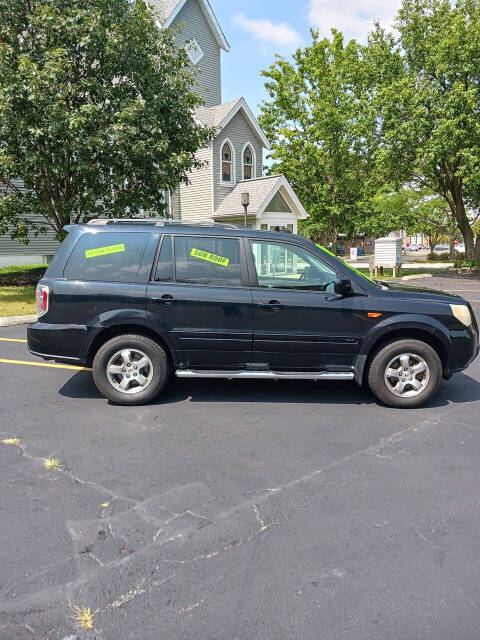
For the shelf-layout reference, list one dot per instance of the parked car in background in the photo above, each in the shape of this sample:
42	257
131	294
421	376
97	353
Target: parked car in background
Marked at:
460	248
441	248
413	247
139	302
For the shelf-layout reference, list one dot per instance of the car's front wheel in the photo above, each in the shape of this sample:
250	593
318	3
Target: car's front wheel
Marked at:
405	373
131	369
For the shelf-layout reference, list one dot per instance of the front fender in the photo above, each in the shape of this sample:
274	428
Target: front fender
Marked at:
403	322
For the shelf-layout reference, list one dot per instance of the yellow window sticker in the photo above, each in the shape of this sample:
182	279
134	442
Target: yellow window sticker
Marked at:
210	257
105	251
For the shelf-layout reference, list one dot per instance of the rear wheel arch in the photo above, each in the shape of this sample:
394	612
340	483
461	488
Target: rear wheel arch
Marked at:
126	329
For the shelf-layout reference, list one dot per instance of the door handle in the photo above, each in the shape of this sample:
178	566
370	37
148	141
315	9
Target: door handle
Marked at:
166	300
273	305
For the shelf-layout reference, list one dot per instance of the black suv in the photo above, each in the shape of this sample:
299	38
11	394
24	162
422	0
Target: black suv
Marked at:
137	301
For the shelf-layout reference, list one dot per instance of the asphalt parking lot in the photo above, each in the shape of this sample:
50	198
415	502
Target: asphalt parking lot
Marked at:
237	510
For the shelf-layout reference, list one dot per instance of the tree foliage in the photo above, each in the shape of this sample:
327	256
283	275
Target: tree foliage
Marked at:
95	113
428	103
315	120
415	211
402	110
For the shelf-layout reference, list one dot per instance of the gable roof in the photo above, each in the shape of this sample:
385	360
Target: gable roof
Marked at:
222	114
214	116
262	191
169	10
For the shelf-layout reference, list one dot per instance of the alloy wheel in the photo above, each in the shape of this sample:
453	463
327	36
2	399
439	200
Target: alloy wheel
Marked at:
407	375
130	371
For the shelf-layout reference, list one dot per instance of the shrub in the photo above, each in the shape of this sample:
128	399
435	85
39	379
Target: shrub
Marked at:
439	257
23	275
464	264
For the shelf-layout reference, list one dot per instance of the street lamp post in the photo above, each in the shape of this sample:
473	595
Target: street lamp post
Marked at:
245	203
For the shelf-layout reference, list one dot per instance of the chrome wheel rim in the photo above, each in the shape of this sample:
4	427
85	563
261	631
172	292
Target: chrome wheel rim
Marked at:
130	371
407	375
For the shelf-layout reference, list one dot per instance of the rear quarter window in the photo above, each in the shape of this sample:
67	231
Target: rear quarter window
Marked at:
107	257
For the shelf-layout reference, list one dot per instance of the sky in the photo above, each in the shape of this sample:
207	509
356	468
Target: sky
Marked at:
257	29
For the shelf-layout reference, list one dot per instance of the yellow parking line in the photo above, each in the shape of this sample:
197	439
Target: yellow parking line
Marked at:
42	364
11	340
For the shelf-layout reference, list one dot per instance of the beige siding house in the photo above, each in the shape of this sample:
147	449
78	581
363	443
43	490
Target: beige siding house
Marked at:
234	159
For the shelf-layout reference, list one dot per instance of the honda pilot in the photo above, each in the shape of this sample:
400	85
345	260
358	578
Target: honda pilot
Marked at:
138	301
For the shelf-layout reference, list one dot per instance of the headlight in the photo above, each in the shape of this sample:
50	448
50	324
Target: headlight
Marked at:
462	313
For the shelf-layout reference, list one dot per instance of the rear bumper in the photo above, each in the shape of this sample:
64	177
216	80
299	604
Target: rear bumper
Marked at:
58	342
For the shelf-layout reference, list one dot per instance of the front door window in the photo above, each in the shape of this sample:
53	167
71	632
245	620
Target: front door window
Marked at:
280	265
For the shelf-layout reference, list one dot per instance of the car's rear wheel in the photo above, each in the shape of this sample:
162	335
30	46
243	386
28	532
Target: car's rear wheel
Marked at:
405	373
131	369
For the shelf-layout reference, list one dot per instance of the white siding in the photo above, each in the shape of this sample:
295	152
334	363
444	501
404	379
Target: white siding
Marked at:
238	131
42	245
195	26
195	200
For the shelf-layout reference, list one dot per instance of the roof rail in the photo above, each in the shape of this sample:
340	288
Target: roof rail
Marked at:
161	222
152	222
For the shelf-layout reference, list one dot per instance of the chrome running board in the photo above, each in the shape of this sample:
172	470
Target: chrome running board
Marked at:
266	375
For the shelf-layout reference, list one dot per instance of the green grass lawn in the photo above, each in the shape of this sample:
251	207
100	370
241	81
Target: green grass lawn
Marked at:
17	301
388	273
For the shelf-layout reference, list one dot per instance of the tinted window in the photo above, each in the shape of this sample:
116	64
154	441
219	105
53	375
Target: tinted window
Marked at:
284	266
107	257
208	261
164	270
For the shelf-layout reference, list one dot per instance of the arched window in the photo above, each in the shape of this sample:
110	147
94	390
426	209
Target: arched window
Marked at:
227	163
248	163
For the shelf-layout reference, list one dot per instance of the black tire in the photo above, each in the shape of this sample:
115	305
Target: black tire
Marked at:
159	361
379	365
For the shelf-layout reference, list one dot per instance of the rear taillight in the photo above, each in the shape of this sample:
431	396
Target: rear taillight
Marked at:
42	296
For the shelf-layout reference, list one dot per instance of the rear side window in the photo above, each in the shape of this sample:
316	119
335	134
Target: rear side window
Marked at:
107	257
208	261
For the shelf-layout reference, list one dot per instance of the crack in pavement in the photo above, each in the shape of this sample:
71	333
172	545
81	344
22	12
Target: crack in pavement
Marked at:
178	528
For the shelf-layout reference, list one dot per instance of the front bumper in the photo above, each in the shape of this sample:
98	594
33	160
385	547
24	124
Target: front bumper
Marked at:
465	348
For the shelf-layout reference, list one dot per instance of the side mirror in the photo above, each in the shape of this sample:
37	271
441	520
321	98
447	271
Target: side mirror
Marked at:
343	287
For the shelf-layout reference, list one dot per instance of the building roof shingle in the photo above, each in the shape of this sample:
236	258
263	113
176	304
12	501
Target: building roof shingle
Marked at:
214	116
261	191
164	7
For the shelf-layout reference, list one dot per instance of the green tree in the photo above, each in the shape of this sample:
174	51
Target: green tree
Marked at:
95	113
476	227
389	210
426	100
316	123
411	211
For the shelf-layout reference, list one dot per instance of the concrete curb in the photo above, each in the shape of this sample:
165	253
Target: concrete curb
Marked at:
406	266
12	321
420	276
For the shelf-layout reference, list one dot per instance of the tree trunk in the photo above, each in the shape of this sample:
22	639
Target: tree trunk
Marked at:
477	251
453	231
457	206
